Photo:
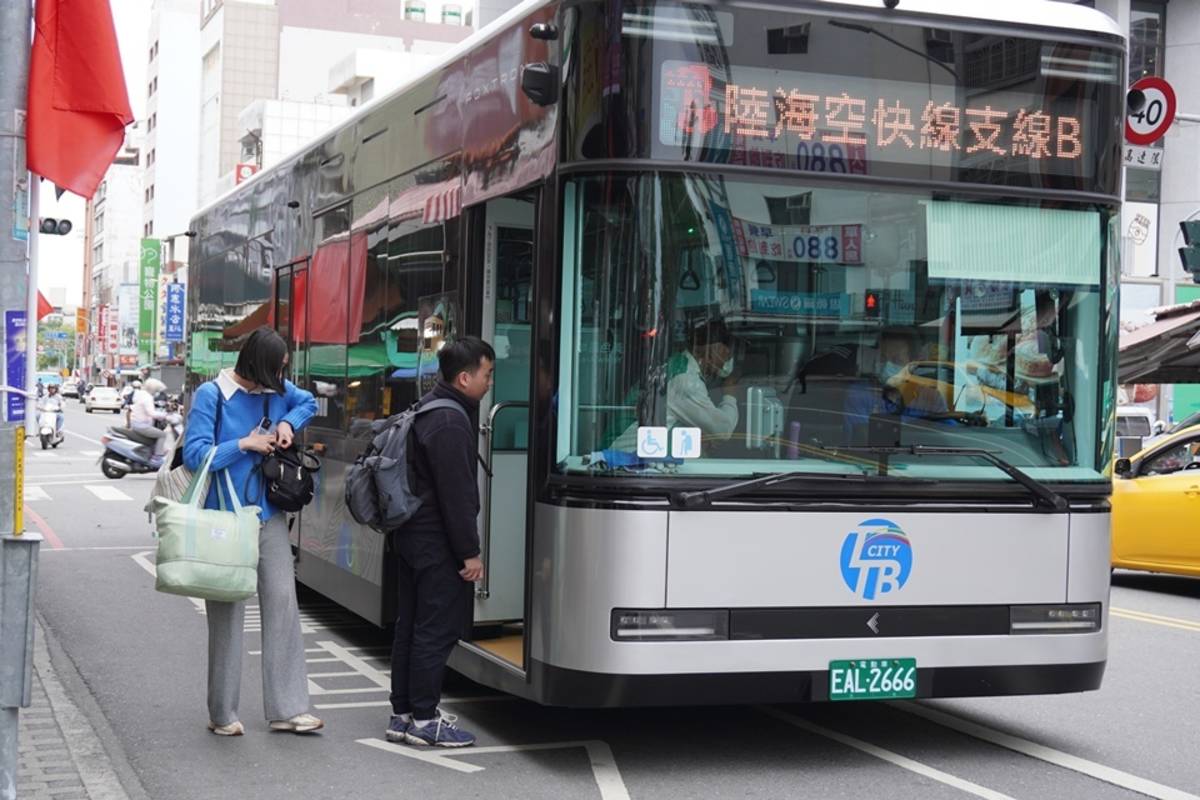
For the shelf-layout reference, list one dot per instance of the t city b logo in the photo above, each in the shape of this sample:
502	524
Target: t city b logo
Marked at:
876	559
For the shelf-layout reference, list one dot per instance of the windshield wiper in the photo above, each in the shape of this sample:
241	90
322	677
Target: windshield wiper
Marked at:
706	496
1040	491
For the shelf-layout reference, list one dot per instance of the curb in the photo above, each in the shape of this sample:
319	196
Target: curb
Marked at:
94	747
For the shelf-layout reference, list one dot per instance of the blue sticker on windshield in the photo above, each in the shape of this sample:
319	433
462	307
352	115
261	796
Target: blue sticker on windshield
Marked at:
877	559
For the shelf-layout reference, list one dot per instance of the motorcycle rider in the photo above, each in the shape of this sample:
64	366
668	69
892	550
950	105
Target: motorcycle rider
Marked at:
53	402
143	413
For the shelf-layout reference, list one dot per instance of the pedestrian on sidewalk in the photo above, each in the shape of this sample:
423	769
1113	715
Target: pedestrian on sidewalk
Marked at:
437	550
228	413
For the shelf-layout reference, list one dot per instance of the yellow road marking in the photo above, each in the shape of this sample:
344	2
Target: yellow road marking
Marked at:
1156	619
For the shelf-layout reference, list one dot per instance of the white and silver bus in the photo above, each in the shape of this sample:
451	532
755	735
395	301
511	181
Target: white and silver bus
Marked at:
805	316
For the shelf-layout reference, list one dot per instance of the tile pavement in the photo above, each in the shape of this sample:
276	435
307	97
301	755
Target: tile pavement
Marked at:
59	754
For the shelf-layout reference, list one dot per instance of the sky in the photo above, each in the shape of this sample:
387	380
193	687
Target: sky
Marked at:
60	258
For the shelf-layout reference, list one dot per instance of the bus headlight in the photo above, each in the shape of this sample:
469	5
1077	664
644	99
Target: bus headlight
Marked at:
1069	618
669	625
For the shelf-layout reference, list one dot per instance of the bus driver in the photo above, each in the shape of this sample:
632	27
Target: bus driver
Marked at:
708	358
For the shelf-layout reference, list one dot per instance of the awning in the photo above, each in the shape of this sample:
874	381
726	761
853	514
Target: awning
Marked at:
432	202
1165	351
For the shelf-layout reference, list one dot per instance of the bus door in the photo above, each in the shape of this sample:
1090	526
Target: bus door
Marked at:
506	316
290	309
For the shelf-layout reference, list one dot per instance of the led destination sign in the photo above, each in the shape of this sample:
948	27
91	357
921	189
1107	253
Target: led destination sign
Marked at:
831	123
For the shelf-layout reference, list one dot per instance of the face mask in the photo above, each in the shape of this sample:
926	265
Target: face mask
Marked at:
726	369
890	370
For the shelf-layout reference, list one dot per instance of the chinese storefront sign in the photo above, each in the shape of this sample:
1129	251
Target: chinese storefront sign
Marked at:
151	261
173	328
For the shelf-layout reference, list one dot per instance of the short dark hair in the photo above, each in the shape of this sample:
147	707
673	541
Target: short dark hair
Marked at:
261	359
463	355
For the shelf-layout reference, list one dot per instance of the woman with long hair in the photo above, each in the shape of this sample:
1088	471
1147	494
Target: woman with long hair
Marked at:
245	413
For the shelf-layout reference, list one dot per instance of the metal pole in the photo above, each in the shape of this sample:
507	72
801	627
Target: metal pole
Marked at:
31	300
18	554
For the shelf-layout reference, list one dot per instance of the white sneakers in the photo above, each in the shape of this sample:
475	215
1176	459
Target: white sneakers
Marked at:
301	723
234	728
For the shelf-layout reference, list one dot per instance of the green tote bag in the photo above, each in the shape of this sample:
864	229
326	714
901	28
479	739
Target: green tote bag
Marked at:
206	553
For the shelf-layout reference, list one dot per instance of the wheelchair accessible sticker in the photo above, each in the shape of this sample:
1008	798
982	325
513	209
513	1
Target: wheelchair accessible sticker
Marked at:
877	559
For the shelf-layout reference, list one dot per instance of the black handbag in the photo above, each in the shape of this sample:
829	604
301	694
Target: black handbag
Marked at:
288	474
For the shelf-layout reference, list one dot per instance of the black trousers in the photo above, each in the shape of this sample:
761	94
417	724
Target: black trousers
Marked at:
433	613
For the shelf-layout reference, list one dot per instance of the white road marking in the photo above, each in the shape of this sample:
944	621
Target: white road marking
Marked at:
143	560
78	549
107	492
85	438
92	480
448	701
91	453
887	755
44	454
604	766
1048	754
35	493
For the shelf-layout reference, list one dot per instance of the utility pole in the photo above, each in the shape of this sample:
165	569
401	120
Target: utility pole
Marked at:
18	552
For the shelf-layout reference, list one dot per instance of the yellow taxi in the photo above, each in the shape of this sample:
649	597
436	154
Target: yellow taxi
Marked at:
918	380
1156	503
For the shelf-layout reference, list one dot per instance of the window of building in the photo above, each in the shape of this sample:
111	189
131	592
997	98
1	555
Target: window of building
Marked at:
98	253
98	223
414	10
1147	48
1147	26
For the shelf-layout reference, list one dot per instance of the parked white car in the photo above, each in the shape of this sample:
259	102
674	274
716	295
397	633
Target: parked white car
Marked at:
103	398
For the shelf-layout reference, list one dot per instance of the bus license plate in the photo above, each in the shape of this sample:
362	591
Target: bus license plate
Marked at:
873	679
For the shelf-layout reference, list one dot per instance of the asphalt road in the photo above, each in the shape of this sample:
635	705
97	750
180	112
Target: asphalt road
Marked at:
142	657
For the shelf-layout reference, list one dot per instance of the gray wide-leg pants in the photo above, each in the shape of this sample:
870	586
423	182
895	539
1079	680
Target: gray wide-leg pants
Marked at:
285	676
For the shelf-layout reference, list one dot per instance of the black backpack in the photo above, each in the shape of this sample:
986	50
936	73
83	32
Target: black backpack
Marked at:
288	476
378	484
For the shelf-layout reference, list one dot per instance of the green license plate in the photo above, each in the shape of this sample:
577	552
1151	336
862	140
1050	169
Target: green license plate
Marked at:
873	679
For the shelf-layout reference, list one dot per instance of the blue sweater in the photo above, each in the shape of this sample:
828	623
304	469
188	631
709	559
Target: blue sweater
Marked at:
240	415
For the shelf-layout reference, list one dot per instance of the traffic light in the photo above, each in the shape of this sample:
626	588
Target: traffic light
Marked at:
54	227
1190	254
871	304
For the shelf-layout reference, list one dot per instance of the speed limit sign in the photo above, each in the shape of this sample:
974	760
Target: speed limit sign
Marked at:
1151	121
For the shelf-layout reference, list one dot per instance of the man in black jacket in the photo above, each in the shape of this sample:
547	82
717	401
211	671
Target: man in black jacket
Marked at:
438	548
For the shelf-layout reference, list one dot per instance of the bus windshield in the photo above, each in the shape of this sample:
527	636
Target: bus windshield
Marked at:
721	327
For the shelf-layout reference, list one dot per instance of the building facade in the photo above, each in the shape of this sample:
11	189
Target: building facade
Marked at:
275	74
113	233
1162	181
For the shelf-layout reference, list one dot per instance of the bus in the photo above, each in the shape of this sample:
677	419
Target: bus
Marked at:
805	317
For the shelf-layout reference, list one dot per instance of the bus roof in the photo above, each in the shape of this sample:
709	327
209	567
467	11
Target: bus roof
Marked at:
1042	13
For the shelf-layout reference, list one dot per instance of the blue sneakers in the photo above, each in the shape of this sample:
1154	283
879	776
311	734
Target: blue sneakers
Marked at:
397	727
441	732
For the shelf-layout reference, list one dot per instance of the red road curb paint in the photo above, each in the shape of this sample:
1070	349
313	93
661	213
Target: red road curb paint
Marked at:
43	526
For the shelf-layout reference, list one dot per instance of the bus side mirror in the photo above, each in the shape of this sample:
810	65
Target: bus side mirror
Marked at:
539	82
1123	467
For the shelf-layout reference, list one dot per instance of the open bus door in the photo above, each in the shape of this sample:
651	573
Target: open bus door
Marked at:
504	287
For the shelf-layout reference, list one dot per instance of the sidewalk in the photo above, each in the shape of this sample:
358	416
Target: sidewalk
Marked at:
60	754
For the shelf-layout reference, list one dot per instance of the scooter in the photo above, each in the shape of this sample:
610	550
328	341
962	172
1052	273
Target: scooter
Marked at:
48	430
127	452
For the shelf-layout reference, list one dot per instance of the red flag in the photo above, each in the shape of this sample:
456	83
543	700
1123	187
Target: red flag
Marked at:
78	106
44	306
